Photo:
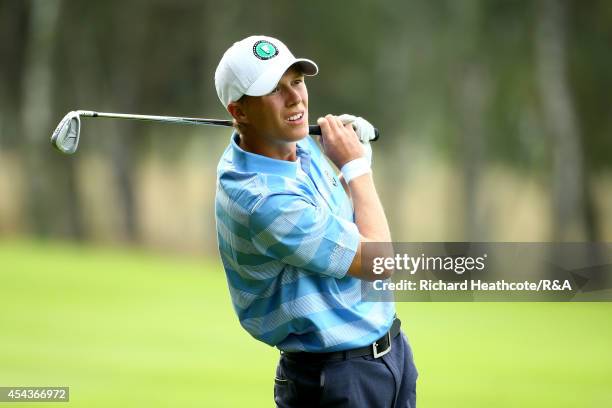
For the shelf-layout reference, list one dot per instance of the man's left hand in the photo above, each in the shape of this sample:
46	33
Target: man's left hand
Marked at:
364	130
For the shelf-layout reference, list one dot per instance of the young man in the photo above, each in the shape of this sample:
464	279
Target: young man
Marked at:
291	238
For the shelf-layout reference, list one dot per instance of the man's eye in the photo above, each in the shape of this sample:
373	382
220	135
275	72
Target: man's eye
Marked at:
298	81
275	90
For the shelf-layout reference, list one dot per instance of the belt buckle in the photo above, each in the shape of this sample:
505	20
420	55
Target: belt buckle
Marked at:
382	353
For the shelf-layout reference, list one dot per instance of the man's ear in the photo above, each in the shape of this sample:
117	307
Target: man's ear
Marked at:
237	111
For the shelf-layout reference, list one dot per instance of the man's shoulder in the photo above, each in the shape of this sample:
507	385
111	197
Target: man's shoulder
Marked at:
248	190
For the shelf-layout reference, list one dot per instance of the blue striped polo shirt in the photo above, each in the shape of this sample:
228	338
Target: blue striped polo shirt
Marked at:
287	237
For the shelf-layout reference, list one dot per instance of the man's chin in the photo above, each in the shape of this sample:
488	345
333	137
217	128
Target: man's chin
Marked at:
298	132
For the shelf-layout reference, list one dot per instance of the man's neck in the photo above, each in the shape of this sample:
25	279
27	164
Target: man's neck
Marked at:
275	150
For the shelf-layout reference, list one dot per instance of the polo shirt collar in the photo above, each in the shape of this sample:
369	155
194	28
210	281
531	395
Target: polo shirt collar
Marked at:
255	163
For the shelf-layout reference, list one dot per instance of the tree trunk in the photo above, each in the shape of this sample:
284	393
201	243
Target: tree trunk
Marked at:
51	191
470	93
13	18
570	189
471	102
132	27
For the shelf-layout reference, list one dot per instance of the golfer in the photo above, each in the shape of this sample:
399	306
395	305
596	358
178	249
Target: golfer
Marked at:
291	232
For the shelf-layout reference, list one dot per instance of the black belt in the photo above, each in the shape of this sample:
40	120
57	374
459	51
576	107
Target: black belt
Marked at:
377	349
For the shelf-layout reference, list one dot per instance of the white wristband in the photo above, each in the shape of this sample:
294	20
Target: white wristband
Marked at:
355	168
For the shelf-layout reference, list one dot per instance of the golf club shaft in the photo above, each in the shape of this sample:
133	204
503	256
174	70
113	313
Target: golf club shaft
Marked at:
312	129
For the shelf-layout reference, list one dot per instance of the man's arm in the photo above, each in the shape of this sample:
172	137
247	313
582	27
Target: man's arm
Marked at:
342	145
345	185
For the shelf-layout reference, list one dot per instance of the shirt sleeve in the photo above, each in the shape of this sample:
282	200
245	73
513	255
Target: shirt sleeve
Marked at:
290	228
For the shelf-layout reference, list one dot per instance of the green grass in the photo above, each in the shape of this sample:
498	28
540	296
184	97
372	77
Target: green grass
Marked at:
130	328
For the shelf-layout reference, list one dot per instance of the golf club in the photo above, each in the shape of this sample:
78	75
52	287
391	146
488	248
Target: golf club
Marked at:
65	137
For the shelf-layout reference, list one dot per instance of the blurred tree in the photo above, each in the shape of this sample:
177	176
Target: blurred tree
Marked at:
470	92
570	186
14	16
45	194
127	50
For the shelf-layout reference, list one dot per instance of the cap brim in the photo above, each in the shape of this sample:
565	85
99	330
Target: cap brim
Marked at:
269	79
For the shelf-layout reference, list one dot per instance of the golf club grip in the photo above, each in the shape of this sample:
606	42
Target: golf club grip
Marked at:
316	130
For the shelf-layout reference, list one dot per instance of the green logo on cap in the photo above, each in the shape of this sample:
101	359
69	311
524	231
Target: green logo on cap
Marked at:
265	50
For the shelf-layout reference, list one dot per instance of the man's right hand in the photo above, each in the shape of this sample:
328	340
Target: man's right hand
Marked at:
340	142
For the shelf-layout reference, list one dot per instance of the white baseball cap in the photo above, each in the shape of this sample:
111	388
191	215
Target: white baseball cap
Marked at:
254	66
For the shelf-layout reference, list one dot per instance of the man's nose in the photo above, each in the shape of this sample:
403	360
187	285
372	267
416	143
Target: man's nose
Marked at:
293	97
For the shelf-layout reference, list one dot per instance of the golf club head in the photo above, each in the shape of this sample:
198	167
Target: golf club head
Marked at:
65	137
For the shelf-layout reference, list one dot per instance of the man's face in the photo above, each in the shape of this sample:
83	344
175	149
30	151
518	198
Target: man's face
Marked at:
282	115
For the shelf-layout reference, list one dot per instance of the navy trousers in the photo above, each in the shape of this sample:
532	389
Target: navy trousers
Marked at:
363	382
